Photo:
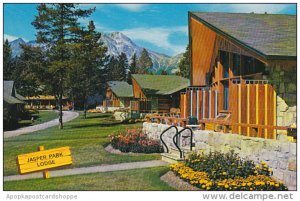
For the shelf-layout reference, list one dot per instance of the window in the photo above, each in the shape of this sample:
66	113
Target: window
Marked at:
236	64
248	65
252	66
224	59
225	95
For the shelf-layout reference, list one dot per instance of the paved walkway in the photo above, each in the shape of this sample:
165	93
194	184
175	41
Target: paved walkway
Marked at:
93	169
67	116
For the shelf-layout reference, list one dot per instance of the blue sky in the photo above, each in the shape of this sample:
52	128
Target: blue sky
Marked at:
159	27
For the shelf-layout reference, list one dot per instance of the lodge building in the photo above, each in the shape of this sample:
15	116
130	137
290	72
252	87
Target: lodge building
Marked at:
243	72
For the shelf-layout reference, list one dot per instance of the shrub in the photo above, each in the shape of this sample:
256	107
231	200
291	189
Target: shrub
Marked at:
226	166
217	171
135	140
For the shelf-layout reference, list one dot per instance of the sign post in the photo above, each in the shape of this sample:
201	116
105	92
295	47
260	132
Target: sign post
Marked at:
43	160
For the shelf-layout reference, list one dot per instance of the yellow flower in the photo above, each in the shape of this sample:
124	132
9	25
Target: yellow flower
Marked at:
224	173
207	188
272	183
257	166
226	186
270	170
249	183
243	184
203	186
277	185
265	165
251	189
257	183
255	172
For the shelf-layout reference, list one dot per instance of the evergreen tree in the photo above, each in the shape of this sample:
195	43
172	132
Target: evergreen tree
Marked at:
123	66
8	67
184	64
144	62
57	26
89	56
118	67
133	64
30	71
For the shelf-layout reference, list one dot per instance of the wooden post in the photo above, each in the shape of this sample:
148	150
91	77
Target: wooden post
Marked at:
256	109
275	113
266	110
197	104
239	108
46	173
191	103
248	109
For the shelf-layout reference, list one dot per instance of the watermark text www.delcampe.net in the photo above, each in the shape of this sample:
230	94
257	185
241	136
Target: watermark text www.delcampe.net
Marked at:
53	196
247	196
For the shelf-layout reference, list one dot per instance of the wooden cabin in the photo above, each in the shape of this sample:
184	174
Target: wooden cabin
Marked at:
157	93
243	72
13	105
118	94
46	102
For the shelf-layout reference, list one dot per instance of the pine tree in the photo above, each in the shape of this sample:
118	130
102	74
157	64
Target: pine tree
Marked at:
30	70
133	64
57	26
123	66
8	67
89	56
184	64
118	67
144	62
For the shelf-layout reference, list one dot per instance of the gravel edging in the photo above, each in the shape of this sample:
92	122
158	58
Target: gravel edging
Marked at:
112	150
174	181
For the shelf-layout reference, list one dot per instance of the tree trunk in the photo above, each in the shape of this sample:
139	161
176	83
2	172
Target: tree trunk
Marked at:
60	111
84	108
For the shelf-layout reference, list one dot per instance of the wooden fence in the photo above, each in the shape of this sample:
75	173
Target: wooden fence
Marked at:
252	108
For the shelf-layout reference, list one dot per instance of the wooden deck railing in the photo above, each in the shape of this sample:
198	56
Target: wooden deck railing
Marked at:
260	131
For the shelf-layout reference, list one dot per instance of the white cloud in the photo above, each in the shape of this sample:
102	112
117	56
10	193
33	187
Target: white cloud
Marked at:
12	38
258	8
158	36
132	7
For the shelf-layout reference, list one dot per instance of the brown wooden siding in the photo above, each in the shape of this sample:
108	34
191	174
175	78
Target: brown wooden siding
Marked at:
202	46
137	90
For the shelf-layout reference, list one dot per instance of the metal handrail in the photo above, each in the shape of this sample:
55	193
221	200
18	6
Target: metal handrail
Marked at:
165	132
191	145
175	143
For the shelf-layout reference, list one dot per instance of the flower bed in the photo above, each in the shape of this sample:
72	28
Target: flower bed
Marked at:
136	141
217	171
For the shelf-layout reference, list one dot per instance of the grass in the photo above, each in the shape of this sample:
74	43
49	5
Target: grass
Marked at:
138	179
42	116
86	137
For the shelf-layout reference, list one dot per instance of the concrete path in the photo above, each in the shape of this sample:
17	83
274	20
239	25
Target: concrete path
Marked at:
93	169
67	116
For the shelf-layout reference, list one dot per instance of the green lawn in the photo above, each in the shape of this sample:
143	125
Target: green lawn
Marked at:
86	137
42	116
138	179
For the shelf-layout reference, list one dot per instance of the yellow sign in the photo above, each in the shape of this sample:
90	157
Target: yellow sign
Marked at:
44	159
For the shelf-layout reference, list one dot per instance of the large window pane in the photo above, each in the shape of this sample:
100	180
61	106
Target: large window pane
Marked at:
224	59
236	64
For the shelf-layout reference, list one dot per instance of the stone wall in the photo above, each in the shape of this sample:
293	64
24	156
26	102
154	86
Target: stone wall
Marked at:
284	77
279	154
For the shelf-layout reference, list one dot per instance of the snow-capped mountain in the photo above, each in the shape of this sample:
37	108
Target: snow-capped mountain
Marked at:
117	43
16	46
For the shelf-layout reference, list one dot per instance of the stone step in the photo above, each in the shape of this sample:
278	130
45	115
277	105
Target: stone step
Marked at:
171	158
